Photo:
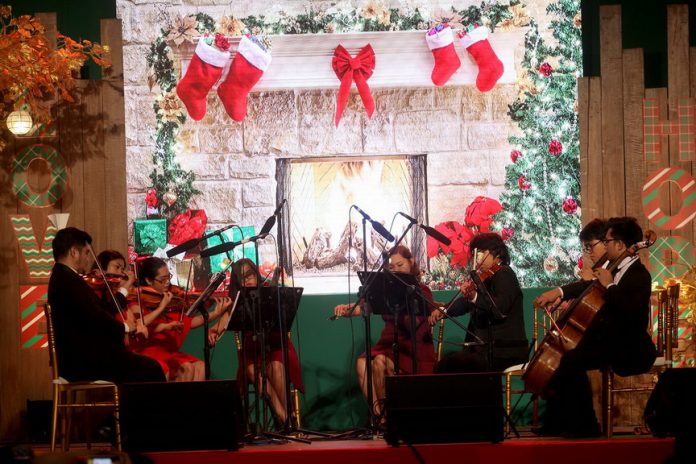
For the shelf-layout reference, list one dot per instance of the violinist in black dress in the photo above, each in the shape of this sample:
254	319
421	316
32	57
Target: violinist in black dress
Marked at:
496	314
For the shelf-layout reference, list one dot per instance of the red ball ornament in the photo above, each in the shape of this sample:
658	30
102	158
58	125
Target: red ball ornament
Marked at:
580	262
555	147
151	197
545	69
507	233
522	183
514	154
570	206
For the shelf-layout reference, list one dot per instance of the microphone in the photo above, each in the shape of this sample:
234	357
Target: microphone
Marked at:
188	244
270	222
436	234
377	226
217	249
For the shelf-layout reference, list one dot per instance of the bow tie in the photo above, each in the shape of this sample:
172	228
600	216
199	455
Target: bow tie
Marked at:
349	69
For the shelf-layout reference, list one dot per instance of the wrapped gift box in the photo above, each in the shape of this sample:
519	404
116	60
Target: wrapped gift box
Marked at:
149	235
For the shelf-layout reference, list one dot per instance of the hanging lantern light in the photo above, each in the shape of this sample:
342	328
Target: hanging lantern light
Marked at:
19	122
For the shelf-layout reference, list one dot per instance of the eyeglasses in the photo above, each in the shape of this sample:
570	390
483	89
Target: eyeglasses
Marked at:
164	279
588	247
606	241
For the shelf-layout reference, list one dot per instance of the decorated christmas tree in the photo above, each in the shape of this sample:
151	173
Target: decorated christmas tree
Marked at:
541	204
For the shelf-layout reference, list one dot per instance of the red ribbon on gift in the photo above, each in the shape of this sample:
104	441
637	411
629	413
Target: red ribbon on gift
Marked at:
349	69
186	226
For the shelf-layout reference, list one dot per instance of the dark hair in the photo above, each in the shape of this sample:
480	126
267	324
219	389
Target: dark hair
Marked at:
404	252
67	238
493	243
237	277
149	268
106	256
625	229
596	229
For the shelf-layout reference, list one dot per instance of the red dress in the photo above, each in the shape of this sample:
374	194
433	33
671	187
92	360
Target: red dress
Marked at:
253	355
164	346
425	350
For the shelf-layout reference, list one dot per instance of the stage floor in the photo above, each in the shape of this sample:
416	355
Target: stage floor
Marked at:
633	449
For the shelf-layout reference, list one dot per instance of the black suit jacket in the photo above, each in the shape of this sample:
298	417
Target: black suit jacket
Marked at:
508	333
620	329
87	336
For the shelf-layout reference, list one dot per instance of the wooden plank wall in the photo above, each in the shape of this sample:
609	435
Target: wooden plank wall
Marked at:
91	140
612	163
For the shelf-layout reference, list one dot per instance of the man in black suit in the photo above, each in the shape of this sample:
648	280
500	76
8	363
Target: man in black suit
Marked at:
90	342
496	313
617	338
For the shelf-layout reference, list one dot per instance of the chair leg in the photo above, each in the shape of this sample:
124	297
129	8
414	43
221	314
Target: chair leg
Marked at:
607	400
67	420
54	417
117	419
508	399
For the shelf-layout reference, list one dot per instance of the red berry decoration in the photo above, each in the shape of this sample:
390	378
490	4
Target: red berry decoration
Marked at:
522	183
507	233
514	154
545	69
570	206
555	147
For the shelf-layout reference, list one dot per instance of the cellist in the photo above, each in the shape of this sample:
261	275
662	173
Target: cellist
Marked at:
591	237
618	337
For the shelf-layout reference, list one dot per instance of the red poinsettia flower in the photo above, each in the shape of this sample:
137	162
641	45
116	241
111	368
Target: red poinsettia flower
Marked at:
459	235
545	69
522	183
555	147
479	214
187	226
570	206
514	154
507	233
151	198
221	42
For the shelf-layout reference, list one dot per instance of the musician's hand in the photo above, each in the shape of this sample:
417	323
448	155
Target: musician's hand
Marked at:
132	325
174	325
604	277
213	335
547	298
468	289
141	329
222	303
434	317
586	273
166	299
130	279
342	310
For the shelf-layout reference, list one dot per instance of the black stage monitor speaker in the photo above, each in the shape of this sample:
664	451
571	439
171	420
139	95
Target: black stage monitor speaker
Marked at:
444	408
174	416
671	410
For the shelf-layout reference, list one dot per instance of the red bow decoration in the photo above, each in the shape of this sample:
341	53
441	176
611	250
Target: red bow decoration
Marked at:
348	69
187	226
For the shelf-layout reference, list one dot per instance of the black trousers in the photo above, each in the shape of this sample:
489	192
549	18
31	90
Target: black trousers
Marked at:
474	359
118	368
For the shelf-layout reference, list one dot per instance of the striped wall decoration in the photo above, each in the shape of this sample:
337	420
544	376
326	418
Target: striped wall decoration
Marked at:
39	259
32	319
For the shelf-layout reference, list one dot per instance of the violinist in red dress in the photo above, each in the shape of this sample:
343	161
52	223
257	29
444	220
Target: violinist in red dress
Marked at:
164	308
401	260
504	321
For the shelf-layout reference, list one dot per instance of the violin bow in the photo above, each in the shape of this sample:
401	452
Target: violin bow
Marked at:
137	292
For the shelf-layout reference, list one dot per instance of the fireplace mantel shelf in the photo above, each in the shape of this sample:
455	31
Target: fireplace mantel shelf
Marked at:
303	61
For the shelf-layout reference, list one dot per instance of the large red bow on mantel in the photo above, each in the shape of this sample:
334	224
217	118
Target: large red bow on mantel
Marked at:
349	69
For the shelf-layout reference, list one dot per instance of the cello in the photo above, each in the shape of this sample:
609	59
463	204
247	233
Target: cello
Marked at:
568	330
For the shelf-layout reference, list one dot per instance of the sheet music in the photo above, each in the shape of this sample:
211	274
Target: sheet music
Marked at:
234	306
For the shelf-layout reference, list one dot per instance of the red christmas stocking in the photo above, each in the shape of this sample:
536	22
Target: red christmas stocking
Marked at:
248	65
441	43
202	73
490	67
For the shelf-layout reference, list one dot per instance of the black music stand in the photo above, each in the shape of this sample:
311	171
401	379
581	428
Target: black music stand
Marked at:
396	294
259	309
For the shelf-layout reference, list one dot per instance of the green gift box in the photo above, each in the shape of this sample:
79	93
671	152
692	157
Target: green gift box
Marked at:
218	262
149	235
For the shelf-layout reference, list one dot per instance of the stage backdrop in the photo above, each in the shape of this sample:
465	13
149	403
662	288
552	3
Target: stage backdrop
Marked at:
494	148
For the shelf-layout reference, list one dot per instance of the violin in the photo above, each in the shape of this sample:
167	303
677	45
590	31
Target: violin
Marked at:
98	281
469	287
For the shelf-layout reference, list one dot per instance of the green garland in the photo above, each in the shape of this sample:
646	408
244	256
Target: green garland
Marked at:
167	175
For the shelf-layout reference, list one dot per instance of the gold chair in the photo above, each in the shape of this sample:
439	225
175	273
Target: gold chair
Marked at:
65	396
667	340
